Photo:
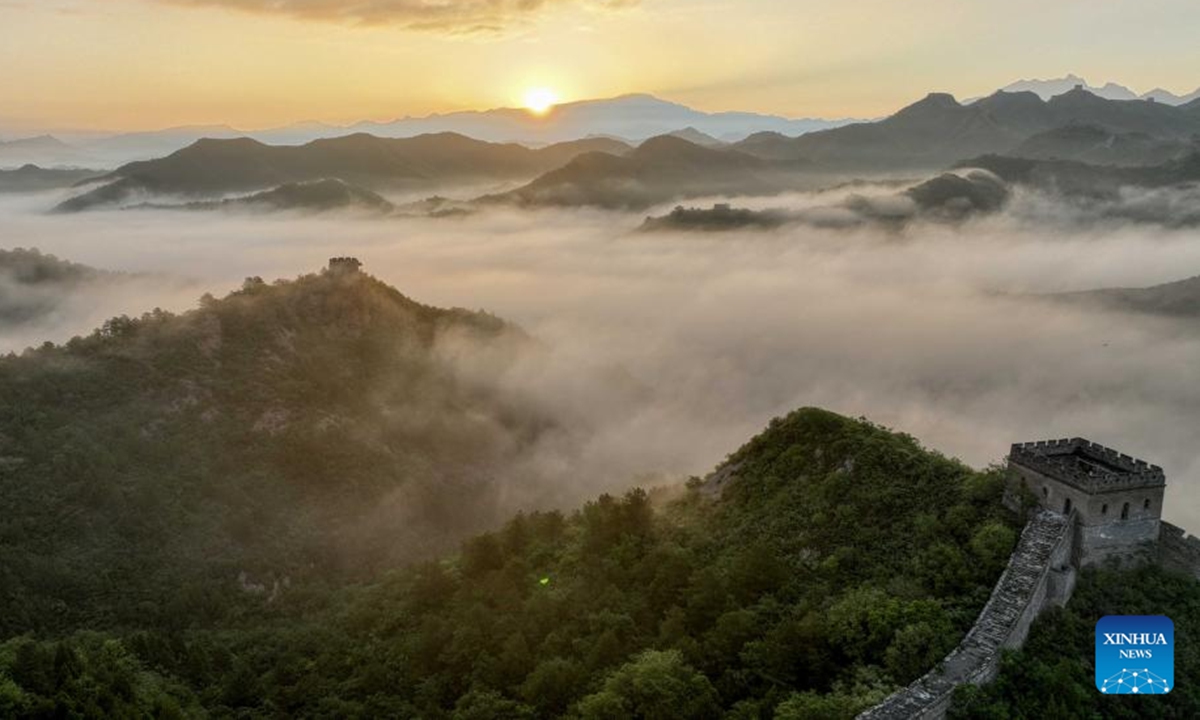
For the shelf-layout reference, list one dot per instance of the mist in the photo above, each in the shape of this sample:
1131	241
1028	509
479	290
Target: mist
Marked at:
662	353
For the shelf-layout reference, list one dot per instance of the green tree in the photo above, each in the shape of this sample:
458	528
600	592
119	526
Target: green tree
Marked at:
656	685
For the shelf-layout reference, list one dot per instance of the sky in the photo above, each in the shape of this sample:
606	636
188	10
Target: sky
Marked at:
145	64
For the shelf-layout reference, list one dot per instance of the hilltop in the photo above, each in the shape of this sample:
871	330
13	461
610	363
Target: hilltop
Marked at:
661	169
302	432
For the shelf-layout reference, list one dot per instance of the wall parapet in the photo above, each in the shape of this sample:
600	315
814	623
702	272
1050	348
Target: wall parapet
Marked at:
1024	590
1177	550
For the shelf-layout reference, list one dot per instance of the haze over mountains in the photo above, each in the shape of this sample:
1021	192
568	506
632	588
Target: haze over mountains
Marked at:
1047	89
938	130
428	162
930	135
628	118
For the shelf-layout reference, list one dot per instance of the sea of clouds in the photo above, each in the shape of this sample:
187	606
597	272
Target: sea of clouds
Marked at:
663	352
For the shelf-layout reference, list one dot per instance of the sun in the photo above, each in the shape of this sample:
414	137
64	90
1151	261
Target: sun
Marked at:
540	100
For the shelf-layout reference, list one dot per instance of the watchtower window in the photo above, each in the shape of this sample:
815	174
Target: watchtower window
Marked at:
1146	505
1067	507
1045	492
1104	509
1125	512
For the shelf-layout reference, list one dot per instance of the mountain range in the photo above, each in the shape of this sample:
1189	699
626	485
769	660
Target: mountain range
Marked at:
930	135
1154	140
1047	89
938	130
629	118
216	167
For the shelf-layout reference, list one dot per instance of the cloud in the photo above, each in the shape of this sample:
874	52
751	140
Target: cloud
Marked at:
446	16
664	352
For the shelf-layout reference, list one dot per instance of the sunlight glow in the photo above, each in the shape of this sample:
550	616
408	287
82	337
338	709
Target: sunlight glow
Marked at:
540	100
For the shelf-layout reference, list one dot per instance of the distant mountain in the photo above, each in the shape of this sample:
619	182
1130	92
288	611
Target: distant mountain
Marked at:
659	170
938	130
1166	195
33	285
1166	96
41	294
1099	146
634	117
1175	299
945	198
1073	178
427	162
44	150
115	150
1047	89
720	218
31	178
693	135
315	197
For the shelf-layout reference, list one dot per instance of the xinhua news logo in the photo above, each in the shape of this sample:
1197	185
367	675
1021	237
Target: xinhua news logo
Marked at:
1135	655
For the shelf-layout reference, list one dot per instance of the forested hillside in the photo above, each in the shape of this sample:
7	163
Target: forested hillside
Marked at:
833	562
295	434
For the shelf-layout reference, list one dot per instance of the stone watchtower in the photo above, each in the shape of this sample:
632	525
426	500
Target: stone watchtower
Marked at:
1117	500
344	265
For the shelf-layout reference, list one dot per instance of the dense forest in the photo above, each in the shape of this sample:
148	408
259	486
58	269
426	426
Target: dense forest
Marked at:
834	562
305	433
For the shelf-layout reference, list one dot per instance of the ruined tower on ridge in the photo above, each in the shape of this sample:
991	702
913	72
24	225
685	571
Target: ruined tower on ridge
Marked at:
1116	499
344	265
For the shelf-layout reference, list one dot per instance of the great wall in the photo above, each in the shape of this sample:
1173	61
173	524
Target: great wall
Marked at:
1093	506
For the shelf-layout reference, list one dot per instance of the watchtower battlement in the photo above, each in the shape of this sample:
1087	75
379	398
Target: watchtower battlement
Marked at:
1087	466
344	265
1117	498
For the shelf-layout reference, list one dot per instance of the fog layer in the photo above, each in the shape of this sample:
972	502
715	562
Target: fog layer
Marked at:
665	352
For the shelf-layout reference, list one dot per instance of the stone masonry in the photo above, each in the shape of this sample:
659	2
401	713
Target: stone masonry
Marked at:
1038	575
1090	505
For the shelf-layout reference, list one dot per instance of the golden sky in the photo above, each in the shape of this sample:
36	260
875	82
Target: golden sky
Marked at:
141	64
